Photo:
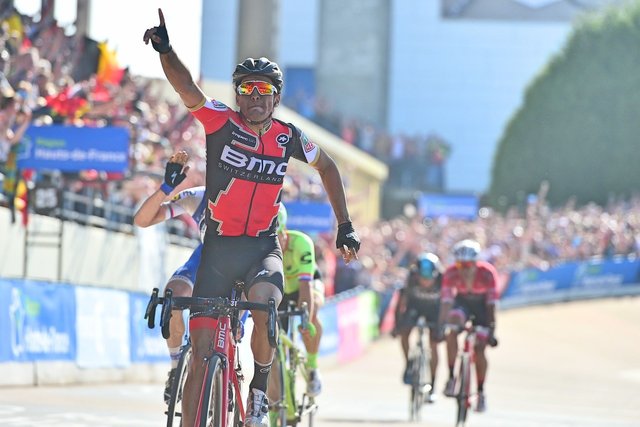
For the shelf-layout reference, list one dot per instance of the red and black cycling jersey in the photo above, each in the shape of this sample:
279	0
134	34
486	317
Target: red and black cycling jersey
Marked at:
245	171
483	284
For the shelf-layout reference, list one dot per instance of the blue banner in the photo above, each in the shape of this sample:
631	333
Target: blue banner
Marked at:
573	280
147	345
452	206
309	217
37	321
599	277
72	149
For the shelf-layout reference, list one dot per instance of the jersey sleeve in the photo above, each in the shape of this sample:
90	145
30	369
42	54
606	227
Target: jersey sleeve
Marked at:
186	201
212	114
304	149
306	257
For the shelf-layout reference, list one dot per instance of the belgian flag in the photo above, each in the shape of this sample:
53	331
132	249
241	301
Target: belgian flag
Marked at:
97	58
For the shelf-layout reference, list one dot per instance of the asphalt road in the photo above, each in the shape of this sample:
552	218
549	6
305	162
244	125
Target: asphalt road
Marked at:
574	364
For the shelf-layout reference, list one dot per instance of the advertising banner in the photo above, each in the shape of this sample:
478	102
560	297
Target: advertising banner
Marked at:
309	217
36	321
573	280
351	345
534	285
72	149
147	345
598	277
445	205
103	327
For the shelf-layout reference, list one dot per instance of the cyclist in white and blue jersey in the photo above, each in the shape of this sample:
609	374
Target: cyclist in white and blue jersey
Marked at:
156	209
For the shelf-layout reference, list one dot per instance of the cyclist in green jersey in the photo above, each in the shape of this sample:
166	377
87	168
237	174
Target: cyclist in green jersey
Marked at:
303	284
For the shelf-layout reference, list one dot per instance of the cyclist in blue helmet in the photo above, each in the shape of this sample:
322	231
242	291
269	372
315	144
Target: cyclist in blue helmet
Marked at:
420	297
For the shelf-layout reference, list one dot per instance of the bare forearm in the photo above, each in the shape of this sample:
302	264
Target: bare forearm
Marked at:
305	296
151	212
332	182
491	314
180	78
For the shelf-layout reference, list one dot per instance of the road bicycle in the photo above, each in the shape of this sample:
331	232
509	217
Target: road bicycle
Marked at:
419	362
466	359
220	403
292	405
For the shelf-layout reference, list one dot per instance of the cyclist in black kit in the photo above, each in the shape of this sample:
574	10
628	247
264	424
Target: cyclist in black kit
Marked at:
420	297
247	156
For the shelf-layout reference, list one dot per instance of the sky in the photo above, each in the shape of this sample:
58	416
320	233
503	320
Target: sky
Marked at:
123	31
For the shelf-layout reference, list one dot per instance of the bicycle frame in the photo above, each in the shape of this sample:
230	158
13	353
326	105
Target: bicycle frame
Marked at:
467	358
419	356
226	348
218	313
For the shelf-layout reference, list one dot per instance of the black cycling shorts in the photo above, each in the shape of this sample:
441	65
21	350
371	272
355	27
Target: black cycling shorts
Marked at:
429	309
473	306
226	260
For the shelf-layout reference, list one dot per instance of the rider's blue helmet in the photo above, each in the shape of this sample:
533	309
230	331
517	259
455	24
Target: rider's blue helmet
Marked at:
428	265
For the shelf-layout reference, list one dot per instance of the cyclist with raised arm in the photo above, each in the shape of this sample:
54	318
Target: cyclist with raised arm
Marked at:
469	292
420	297
155	210
247	156
303	285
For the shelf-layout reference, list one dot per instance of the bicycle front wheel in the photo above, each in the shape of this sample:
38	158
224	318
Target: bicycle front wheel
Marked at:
464	393
212	396
174	410
418	381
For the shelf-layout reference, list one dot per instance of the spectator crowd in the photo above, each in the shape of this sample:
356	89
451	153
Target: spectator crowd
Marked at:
40	84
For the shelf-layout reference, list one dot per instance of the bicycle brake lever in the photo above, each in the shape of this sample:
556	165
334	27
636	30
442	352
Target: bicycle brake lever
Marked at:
150	312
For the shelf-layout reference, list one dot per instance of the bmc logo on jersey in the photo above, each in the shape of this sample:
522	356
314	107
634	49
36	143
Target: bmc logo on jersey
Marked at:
252	164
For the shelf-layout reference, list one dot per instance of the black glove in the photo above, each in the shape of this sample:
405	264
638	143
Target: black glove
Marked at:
492	340
347	236
173	176
163	46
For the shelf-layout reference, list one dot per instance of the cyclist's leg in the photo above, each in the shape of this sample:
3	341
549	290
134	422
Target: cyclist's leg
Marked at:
214	278
312	342
457	317
201	338
265	280
432	313
181	283
404	327
482	335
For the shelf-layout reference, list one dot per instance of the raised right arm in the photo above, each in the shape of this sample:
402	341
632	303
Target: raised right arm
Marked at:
176	72
180	78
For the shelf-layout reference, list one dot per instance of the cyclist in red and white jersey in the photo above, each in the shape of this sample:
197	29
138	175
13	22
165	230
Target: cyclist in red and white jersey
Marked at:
247	156
469	291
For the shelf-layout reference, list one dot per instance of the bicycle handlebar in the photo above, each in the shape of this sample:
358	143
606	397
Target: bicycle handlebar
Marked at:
210	306
492	341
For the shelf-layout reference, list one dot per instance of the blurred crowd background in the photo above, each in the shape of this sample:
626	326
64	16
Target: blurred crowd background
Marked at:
48	77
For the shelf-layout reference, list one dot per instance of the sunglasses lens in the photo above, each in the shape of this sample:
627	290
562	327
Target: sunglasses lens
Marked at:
264	88
465	264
